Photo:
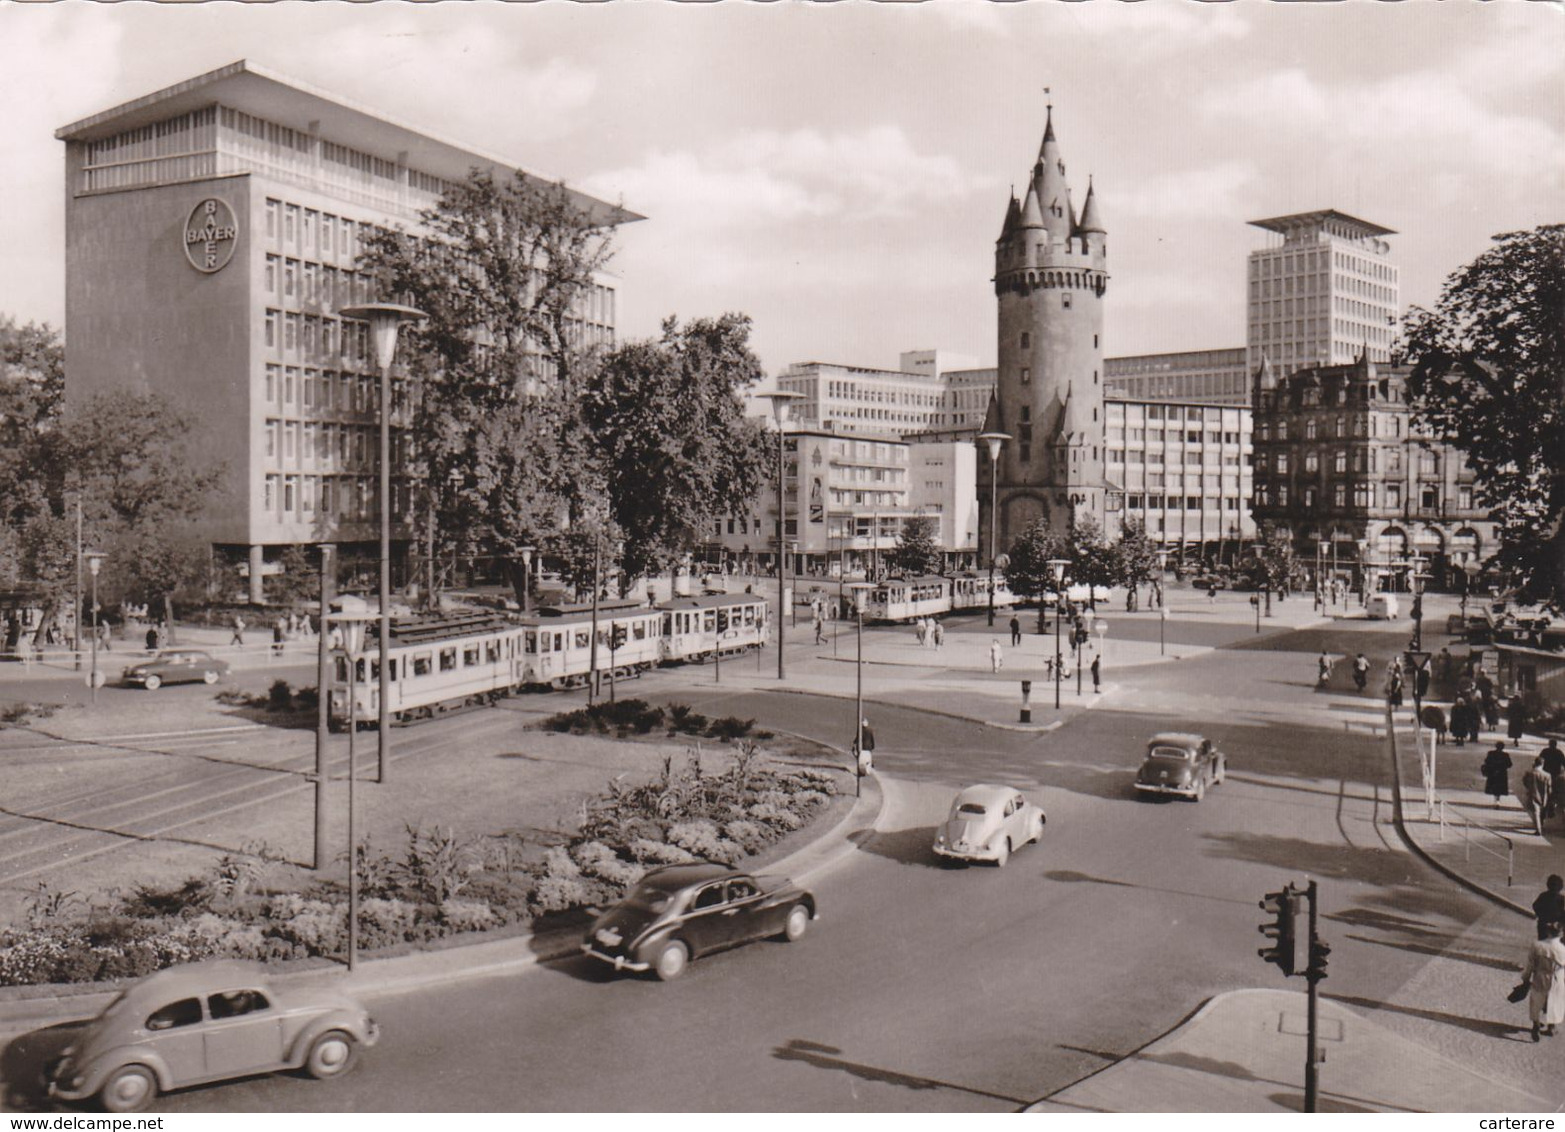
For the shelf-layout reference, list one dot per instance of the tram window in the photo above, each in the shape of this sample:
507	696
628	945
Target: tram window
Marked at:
470	654
708	620
583	638
342	671
421	663
749	615
638	630
668	624
722	620
448	659
374	670
492	651
393	668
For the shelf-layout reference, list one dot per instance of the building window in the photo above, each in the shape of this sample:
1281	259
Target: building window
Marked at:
1394	495
1026	376
1464	497
1363	495
1065	299
272	375
1309	429
271	330
1026	340
1427	465
1429	499
1339	495
1339	461
290	493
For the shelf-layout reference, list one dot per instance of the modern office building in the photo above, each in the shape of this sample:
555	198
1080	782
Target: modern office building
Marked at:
1341	466
1321	293
862	401
1206	377
213	230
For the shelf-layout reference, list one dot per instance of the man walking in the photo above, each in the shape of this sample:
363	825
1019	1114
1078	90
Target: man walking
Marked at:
1097	672
239	631
1535	793
1360	671
996	655
1016	632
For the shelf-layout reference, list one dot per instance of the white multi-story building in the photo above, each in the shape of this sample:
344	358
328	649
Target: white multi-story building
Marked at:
1322	292
1213	377
854	399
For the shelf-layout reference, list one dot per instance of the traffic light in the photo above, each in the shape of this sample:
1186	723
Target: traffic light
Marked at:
1319	950
617	637
1283	931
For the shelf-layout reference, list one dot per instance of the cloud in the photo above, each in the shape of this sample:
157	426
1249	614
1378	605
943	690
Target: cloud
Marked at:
1220	189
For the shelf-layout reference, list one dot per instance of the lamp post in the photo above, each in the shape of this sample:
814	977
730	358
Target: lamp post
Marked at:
994	440
94	564
793	564
1162	606
1058	566
780	399
385	320
859	591
323	703
1362	546
352	623
76	620
592	648
1469	575
1416	580
1417	659
527	553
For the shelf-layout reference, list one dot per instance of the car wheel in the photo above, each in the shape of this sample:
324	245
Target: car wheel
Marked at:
153	683
1003	855
209	677
672	960
131	1088
798	923
331	1055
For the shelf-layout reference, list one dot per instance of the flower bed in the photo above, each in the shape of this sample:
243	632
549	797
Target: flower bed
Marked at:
436	887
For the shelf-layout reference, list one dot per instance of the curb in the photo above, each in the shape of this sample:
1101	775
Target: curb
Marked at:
398	974
1412	843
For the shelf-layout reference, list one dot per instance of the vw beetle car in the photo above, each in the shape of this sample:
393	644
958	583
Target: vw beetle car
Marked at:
204	1022
176	666
987	823
1182	765
678	913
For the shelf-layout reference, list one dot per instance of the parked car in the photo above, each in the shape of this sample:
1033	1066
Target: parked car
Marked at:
1181	764
1209	582
1382	606
204	1022
176	666
987	823
681	912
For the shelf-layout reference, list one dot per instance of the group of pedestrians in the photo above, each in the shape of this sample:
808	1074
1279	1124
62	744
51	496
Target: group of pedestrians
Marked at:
287	627
930	632
1543	974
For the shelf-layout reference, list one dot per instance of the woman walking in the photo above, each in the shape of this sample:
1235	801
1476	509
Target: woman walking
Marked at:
1544	974
1496	771
1515	719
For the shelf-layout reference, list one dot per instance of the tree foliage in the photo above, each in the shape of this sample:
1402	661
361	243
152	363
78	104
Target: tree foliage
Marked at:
667	424
1488	375
1093	558
1028	573
918	548
1274	566
1135	556
502	267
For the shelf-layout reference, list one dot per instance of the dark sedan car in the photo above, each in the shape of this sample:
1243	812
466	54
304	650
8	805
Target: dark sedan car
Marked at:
1181	765
678	913
176	666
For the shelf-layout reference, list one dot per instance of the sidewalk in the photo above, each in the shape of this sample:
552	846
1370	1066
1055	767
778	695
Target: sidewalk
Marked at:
1243	1051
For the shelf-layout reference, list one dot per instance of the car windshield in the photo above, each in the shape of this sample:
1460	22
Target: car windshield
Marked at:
649	898
973	808
1172	753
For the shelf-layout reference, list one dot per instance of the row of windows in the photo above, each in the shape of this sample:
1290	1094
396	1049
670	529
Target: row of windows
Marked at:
313	232
1367	459
1180	503
290	386
330	443
1375	425
294	497
308	281
314	338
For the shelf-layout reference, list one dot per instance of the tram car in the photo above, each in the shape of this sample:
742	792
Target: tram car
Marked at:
971	591
907	599
697	628
444	664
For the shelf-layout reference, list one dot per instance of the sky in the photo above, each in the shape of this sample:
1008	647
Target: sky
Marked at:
840	172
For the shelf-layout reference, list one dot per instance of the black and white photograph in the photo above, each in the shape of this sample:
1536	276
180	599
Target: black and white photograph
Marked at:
639	557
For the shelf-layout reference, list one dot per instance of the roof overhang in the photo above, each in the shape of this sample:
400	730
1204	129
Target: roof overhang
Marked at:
266	94
1286	224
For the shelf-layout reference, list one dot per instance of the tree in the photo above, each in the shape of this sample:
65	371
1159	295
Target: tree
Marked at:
502	268
1136	559
1092	557
1488	376
918	548
676	451
1028	573
1275	568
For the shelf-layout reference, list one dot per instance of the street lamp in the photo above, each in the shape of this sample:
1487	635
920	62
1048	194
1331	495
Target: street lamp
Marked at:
94	564
780	399
323	702
1418	579
385	321
1469	576
1162	606
352	619
994	440
1058	566
793	564
860	592
527	553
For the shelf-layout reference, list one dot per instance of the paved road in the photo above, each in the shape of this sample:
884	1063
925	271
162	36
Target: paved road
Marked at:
932	989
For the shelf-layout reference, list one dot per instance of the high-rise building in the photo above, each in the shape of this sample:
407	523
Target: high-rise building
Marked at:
1208	377
1051	273
213	231
1321	293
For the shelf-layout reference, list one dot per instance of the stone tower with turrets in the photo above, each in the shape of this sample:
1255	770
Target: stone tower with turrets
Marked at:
1050	276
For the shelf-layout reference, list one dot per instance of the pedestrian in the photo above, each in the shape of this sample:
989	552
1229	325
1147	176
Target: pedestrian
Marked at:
1515	719
1496	772
105	635
864	749
1549	907
996	656
919	630
940	635
1211	595
1491	710
152	638
1434	719
1394	684
1360	671
1421	681
1544	974
1323	669
307	629
820	630
1016	631
279	635
239	631
1535	791
1443	664
1554	765
1460	723
1097	672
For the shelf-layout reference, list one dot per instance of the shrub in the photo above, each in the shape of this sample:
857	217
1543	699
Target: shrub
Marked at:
701	838
556	894
823	780
659	853
729	728
750	836
598	860
392	920
279	697
467	915
148	902
777	816
307	699
319	926
436	865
